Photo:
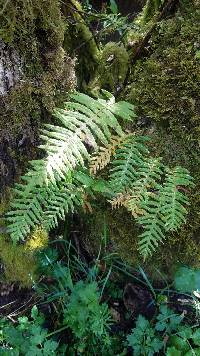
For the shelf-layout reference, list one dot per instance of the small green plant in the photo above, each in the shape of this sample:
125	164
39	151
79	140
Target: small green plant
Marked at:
87	318
167	335
143	339
27	338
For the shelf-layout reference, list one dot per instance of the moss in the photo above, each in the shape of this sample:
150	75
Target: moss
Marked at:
113	66
20	261
37	241
80	42
35	30
165	86
19	266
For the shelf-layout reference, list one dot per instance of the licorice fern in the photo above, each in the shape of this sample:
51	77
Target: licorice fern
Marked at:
47	192
152	223
42	205
128	159
174	197
153	193
164	210
149	178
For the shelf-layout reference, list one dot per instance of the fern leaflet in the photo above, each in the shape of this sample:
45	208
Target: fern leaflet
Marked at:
152	223
102	158
127	159
174	201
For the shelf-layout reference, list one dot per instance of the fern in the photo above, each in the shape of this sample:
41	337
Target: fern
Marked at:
43	205
150	176
152	223
85	121
153	193
164	210
174	199
46	192
137	182
102	157
127	161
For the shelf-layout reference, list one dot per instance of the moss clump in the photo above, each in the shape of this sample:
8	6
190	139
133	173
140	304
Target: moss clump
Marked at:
113	66
165	86
20	261
38	240
34	31
19	265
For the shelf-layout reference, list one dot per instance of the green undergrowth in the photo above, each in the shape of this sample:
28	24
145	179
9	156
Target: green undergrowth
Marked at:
84	315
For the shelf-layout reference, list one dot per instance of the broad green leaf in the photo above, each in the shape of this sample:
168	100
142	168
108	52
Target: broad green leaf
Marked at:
113	7
172	351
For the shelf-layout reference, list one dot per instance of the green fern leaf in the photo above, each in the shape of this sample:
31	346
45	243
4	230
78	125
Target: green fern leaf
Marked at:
62	199
150	176
27	212
164	210
122	109
152	223
47	193
127	161
174	200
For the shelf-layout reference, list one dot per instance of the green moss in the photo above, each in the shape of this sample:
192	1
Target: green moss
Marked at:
165	86
36	30
20	261
19	265
113	66
20	18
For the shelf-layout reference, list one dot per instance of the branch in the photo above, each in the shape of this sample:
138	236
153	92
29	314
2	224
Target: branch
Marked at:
145	40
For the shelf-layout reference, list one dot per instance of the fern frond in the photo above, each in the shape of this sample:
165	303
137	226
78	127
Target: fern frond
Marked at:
121	199
62	199
102	158
122	109
149	179
164	210
85	121
46	194
26	212
43	205
174	200
152	223
127	160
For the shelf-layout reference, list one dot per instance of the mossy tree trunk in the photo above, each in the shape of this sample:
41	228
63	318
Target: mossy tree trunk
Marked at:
36	73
